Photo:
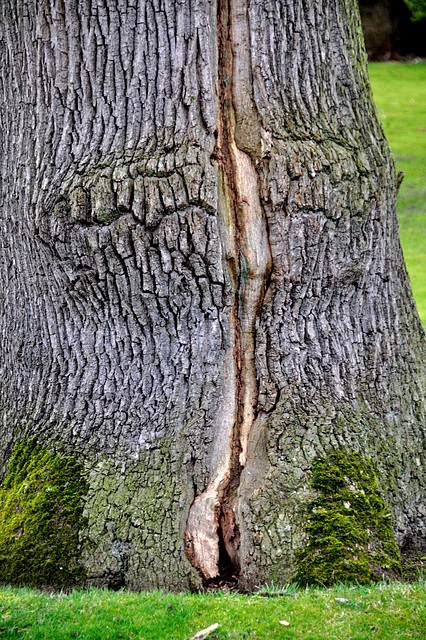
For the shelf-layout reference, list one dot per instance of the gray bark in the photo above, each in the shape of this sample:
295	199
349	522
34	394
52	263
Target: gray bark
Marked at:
201	278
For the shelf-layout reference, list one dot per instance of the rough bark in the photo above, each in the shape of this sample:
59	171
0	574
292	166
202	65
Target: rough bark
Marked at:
202	285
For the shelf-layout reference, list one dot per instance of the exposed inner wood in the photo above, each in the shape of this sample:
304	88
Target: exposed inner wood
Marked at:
247	251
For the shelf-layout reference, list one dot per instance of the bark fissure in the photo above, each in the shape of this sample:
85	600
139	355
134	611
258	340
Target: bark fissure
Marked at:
248	254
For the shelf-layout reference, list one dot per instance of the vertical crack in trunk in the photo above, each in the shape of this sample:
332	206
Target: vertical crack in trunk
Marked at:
211	520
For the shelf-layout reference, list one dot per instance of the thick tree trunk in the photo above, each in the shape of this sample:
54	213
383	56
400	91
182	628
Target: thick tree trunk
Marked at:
202	285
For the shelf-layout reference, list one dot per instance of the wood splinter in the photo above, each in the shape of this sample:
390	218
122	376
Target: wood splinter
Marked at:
200	635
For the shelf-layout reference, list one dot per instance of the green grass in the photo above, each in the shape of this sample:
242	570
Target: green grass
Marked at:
400	95
385	611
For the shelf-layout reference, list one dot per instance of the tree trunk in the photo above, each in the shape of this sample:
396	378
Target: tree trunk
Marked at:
389	31
378	28
203	291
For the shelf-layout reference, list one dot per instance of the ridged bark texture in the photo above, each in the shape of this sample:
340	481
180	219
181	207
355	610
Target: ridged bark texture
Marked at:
202	284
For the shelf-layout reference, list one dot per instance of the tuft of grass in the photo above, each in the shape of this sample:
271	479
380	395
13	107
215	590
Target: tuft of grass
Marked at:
271	590
399	91
386	611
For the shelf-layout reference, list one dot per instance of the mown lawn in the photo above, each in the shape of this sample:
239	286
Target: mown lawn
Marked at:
386	611
400	95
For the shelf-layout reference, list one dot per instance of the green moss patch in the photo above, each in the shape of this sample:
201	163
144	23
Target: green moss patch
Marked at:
349	527
106	216
41	512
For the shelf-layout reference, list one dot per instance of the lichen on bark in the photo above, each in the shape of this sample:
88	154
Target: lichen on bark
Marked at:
41	514
349	526
136	517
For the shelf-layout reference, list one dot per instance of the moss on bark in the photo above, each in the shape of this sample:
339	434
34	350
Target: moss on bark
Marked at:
40	517
349	527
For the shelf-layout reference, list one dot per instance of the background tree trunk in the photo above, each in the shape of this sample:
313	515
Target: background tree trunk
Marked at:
202	285
389	31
